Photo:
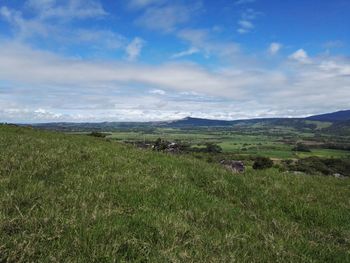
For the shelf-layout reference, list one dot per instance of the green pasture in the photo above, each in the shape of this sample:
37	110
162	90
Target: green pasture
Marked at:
76	198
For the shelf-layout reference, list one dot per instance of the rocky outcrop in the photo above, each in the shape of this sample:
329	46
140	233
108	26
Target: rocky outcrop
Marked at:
234	166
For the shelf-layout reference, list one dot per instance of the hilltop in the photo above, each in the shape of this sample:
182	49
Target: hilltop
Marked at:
332	117
83	199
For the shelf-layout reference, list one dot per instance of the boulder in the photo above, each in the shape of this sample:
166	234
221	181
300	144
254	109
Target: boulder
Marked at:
234	166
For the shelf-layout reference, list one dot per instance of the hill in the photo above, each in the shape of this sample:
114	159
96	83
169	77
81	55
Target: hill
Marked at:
332	117
189	122
75	198
197	122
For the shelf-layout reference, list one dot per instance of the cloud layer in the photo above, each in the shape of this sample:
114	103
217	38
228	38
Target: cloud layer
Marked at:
67	87
63	61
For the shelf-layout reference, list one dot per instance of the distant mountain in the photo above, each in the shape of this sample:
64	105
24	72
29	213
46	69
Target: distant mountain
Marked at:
341	118
195	122
332	117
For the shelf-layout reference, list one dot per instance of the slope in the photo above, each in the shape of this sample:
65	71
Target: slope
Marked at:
69	198
332	117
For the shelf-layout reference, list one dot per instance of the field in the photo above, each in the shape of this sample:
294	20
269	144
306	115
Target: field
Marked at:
76	198
271	143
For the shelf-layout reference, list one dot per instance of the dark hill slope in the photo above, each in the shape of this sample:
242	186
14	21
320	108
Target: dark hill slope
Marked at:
332	117
69	198
197	122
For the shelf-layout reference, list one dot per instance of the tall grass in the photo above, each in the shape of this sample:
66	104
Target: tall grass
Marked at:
68	198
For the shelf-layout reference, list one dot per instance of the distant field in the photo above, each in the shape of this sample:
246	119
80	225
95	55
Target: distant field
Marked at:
168	134
269	144
320	124
326	153
76	198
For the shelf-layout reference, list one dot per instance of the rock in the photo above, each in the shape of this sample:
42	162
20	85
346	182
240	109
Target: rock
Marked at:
234	166
337	175
298	173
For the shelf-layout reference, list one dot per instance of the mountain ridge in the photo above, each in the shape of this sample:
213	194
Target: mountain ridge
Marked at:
343	115
188	122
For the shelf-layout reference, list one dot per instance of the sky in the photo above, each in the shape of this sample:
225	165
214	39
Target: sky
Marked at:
152	60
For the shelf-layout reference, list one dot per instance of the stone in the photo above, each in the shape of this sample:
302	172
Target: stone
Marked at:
234	166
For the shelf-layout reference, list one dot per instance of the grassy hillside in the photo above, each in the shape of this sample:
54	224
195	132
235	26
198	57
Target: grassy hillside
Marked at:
69	198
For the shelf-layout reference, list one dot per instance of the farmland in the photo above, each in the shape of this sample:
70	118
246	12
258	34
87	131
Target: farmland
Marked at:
275	143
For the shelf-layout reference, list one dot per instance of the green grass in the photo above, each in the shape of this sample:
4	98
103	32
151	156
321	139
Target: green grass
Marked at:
325	153
320	124
167	134
259	148
74	198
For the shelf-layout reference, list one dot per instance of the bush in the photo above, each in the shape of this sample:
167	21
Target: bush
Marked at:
98	134
316	165
213	148
160	145
261	163
287	162
301	148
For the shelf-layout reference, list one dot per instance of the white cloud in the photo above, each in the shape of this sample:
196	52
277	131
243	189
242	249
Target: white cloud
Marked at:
336	67
246	22
245	26
274	48
24	28
300	56
6	13
97	39
157	92
201	39
39	27
71	9
43	68
185	53
251	14
134	49
164	18
44	86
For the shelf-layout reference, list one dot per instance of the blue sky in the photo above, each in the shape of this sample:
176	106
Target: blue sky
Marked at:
140	60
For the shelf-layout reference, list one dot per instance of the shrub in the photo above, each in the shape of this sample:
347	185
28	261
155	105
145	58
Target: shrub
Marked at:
98	134
262	163
301	148
287	162
316	165
213	148
160	145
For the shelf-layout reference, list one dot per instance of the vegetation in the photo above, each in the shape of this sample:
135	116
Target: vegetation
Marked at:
212	148
274	142
301	148
262	163
98	134
74	198
314	165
